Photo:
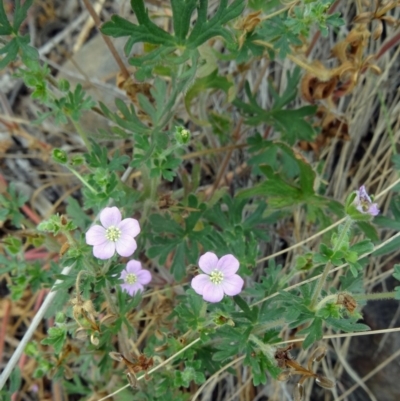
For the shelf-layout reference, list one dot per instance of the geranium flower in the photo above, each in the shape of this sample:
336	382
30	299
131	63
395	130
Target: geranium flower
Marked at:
364	203
134	277
113	235
220	277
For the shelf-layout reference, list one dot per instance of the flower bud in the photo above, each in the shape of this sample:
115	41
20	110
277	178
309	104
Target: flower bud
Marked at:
182	135
60	156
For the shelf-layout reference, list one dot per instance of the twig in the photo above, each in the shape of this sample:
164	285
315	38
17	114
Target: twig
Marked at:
32	328
107	40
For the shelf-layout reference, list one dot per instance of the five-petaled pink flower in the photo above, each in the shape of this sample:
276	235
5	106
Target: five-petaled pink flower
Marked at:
134	277
220	277
364	203
113	235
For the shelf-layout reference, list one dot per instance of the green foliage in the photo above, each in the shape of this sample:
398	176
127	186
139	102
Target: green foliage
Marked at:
181	215
279	191
289	123
56	224
313	333
192	372
56	338
18	43
183	239
310	14
166	44
10	203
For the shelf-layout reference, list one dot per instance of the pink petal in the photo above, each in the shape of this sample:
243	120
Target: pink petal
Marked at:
232	285
213	293
133	266
96	235
373	209
125	245
228	265
110	216
144	277
123	275
199	282
363	193
104	251
129	227
132	289
208	262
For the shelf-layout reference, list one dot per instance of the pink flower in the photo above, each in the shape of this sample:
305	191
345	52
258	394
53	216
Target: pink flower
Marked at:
113	235
364	203
220	277
134	277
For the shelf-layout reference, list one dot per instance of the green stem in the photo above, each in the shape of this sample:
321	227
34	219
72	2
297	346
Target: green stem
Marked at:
110	301
82	134
342	233
267	326
374	297
80	178
266	349
325	300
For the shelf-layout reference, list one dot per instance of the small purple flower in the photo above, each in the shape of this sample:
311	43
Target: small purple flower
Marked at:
220	277
115	235
364	203
134	277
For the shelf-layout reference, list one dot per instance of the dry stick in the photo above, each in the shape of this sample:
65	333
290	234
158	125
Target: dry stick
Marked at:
39	316
6	315
32	328
107	40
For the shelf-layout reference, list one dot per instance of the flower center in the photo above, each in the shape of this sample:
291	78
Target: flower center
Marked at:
216	277
113	233
130	278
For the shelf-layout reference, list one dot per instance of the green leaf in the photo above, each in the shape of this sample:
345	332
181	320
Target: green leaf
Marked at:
369	230
205	30
20	13
292	125
5	26
146	31
77	215
388	248
362	247
178	266
212	81
182	11
15	380
11	51
242	305
56	338
396	273
314	333
346	325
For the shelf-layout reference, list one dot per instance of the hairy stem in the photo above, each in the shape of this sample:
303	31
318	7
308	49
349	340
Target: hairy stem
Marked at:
343	231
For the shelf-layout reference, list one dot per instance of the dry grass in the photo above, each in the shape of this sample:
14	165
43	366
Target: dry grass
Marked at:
371	111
